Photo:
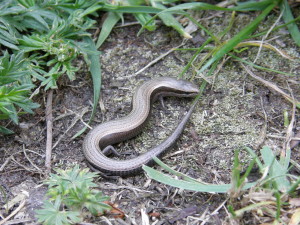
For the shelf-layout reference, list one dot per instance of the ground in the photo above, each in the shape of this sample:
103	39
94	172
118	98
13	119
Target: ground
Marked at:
230	115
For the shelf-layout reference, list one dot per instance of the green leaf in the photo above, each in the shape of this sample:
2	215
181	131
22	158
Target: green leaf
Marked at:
68	179
276	169
8	44
255	157
288	16
12	93
32	43
84	197
37	14
91	9
211	188
107	26
27	106
8	35
131	9
5	130
93	61
73	188
13	68
253	5
194	6
143	18
51	214
96	206
169	20
27	3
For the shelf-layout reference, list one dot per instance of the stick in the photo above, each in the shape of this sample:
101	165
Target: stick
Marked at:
22	204
49	121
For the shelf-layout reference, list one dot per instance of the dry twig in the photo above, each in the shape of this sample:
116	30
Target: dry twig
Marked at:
263	132
74	121
265	37
35	166
49	121
289	131
12	155
272	86
22	204
157	59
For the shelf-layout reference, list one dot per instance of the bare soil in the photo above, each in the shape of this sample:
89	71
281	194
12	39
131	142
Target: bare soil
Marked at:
230	115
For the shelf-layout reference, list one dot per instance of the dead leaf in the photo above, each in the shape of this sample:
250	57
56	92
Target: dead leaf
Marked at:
294	202
295	219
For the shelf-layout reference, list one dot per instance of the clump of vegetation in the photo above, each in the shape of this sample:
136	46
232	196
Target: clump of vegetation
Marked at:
42	39
15	86
273	196
71	197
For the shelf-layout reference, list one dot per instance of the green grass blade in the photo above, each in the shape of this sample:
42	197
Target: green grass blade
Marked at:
107	27
247	6
248	171
131	9
237	38
165	179
192	59
294	186
174	172
179	9
228	28
274	29
260	67
252	5
195	6
287	17
4	130
143	19
95	69
203	28
90	10
255	157
236	171
169	20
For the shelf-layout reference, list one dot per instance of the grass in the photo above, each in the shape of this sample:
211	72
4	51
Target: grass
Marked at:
49	36
40	40
271	194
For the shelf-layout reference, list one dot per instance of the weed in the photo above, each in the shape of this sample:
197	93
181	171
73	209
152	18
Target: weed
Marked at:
71	197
